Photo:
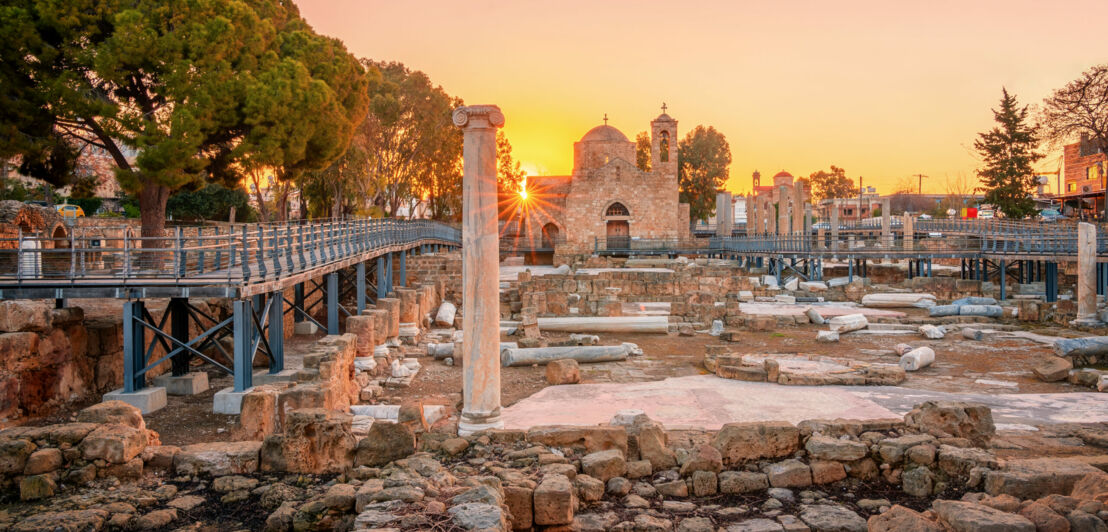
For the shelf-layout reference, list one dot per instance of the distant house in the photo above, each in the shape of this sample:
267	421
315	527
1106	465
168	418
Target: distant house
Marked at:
1085	176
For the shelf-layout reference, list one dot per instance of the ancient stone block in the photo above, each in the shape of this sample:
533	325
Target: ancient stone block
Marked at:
739	442
218	458
315	441
113	412
554	501
953	419
588	439
738	482
604	465
385	443
565	371
113	443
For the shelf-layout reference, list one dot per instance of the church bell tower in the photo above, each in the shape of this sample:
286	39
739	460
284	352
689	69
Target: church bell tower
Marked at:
663	144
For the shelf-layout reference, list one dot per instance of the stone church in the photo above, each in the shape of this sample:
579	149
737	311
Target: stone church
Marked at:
608	200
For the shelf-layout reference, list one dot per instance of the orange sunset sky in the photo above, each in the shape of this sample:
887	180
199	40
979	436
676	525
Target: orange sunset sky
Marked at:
885	89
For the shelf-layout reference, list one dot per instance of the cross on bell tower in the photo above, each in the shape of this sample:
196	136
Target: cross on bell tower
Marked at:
664	107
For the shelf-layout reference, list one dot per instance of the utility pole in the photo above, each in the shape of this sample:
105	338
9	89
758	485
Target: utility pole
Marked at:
861	192
920	176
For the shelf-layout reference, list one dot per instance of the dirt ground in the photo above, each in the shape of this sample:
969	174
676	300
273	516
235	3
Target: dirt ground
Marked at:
1004	365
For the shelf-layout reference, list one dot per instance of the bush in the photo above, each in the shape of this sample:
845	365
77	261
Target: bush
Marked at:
213	202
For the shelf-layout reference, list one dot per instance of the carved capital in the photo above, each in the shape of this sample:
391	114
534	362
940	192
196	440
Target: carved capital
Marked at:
478	116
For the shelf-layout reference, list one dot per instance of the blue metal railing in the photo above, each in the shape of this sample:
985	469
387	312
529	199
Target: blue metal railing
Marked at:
233	254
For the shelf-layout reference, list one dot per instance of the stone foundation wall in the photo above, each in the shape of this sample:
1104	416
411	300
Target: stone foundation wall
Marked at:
444	270
51	357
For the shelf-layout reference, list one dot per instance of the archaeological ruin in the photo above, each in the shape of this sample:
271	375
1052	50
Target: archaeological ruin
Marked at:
391	375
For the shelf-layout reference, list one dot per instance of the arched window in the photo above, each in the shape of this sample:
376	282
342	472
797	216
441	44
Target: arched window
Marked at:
617	209
663	147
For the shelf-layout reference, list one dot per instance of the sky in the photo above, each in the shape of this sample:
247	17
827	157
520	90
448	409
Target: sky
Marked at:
885	89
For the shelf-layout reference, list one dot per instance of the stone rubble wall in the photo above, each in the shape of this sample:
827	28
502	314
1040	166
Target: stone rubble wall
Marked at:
50	357
442	270
107	440
702	291
548	477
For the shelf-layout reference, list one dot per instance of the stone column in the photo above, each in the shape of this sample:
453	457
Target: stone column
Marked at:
751	215
798	207
807	218
1086	275
480	267
768	216
725	220
782	210
834	224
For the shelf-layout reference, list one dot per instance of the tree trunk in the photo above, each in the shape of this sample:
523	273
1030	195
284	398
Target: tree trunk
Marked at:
152	200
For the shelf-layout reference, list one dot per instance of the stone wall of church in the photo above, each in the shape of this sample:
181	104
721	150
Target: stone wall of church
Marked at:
650	198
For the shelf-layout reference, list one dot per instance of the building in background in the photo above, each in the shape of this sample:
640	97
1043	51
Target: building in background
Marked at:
1084	179
607	200
851	209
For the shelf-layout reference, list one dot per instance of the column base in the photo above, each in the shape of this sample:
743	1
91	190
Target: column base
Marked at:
149	399
1089	321
192	383
471	423
304	328
228	401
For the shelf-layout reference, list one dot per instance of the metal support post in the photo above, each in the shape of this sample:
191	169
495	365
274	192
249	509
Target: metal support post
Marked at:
359	283
134	346
1003	279
1051	279
388	274
333	303
179	329
276	333
298	301
382	278
243	326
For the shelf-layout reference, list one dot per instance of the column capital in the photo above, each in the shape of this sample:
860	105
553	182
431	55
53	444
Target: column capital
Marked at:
478	116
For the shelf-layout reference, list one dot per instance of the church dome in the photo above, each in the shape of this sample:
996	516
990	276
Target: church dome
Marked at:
604	133
782	173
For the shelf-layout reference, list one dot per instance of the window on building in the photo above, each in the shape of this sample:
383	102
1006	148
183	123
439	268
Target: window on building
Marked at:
663	147
1071	187
850	212
617	209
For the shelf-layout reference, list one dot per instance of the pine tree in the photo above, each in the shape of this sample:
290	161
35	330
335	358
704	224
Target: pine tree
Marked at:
1008	150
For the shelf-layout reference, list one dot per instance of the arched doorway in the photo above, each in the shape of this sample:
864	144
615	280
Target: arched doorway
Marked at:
618	227
549	235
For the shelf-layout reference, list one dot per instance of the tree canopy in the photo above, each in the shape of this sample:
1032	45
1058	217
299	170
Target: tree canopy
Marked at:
703	156
178	92
831	184
1008	153
509	174
412	149
642	151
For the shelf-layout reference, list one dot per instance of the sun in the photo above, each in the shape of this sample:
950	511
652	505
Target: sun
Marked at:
523	194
